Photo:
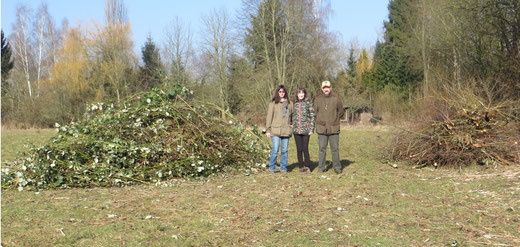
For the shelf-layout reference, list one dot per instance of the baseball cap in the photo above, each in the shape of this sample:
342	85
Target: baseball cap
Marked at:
325	84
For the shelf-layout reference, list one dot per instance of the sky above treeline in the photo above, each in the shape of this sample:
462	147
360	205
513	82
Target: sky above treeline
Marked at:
352	20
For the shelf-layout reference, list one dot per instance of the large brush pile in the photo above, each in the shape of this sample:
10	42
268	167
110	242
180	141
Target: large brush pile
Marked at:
462	130
150	138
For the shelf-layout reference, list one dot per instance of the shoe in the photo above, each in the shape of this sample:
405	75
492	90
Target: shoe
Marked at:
272	171
304	169
283	171
337	171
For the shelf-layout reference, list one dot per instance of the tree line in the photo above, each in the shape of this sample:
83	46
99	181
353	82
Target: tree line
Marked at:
51	74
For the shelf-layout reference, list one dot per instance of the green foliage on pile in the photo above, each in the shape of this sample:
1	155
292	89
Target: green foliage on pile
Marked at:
148	139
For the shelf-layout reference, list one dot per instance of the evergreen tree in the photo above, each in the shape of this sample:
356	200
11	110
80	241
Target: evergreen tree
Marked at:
391	70
7	63
393	64
351	63
401	19
152	72
266	26
348	80
349	84
363	64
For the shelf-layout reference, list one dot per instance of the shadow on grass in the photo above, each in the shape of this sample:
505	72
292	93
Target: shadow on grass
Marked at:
314	165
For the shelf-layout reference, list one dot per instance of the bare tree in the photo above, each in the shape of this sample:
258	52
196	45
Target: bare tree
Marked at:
177	50
112	48
288	43
217	46
53	40
115	12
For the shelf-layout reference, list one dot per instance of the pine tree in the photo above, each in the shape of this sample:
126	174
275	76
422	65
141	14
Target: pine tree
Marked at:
401	19
391	70
152	72
351	63
393	64
7	63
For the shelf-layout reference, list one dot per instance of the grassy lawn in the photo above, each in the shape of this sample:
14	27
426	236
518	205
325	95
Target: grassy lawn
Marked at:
13	141
370	204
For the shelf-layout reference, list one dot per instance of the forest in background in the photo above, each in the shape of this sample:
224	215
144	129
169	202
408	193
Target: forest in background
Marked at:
436	57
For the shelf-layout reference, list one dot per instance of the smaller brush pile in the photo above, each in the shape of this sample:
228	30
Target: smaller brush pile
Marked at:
148	139
462	130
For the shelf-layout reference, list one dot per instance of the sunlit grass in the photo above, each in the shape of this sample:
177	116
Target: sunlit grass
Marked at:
14	141
370	204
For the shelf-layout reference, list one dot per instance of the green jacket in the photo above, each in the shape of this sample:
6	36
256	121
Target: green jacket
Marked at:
303	117
329	111
278	120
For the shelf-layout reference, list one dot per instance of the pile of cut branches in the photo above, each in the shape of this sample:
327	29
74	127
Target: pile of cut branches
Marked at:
148	139
462	131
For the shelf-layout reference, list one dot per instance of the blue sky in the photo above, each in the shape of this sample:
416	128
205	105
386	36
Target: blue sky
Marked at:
360	20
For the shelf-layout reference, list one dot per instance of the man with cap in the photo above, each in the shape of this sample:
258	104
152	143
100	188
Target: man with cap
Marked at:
329	111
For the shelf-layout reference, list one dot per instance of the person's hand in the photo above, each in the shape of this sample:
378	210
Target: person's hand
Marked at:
268	134
310	133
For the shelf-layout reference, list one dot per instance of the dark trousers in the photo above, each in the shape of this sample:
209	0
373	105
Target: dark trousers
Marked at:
323	140
302	149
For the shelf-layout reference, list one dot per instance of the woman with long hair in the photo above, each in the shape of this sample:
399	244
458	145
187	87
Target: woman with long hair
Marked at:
303	118
278	127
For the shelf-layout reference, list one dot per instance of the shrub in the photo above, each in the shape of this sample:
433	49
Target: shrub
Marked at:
462	126
151	137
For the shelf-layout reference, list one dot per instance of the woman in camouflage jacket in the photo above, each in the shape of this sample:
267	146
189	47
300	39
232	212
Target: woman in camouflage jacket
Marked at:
303	118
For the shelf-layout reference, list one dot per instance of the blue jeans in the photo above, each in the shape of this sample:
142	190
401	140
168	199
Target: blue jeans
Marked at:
274	153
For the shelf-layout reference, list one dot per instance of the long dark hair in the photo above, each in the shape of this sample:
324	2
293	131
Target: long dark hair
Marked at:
276	97
300	89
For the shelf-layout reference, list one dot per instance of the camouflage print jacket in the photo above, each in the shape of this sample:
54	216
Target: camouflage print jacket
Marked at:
303	117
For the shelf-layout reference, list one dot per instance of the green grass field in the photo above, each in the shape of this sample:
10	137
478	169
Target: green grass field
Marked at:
14	141
370	204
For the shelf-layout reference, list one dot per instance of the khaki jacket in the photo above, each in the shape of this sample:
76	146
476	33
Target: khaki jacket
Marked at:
329	111
278	120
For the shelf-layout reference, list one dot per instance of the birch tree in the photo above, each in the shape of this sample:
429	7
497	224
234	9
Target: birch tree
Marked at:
21	43
46	44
